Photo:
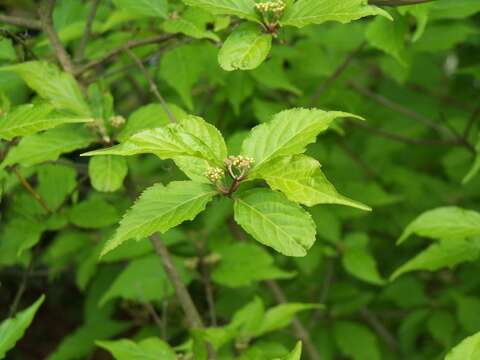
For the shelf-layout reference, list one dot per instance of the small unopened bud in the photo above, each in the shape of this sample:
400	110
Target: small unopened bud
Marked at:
240	161
117	121
214	174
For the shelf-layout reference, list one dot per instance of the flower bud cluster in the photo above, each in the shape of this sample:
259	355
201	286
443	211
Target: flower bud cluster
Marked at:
214	174
275	7
240	161
117	121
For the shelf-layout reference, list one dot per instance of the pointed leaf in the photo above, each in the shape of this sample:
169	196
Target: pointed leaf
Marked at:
301	179
29	119
12	330
288	133
244	9
296	353
305	12
276	222
160	208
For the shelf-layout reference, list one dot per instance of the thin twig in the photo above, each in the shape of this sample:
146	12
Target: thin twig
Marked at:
380	329
399	108
297	326
31	190
21	289
336	74
151	82
471	122
327	283
22	22
86	32
369	172
129	45
46	12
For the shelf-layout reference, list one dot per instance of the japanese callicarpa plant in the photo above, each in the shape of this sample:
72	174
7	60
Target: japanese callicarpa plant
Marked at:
272	152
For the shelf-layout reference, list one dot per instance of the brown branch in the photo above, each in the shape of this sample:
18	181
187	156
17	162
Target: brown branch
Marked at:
87	31
46	11
22	22
119	50
336	74
397	2
380	329
300	331
151	82
31	190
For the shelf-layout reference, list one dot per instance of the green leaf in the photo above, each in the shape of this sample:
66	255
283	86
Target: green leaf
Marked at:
276	222
305	12
49	145
445	253
280	316
454	9
93	214
358	261
288	133
475	166
244	9
243	264
301	179
107	172
58	87
29	119
144	280
296	353
193	22
148	8
55	183
180	72
160	208
245	48
448	222
148	117
468	349
356	341
389	36
147	349
13	329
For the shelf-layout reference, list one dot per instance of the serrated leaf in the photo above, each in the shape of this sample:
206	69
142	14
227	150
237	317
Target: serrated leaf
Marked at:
107	172
448	222
244	49
242	264
301	179
305	12
144	279
445	253
160	208
60	88
29	119
467	349
148	8
276	222
13	329
288	133
49	145
146	349
244	9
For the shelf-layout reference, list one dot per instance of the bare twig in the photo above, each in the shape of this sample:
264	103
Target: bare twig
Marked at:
21	288
297	326
397	2
399	108
45	12
119	50
336	74
151	82
22	22
31	190
380	329
87	31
